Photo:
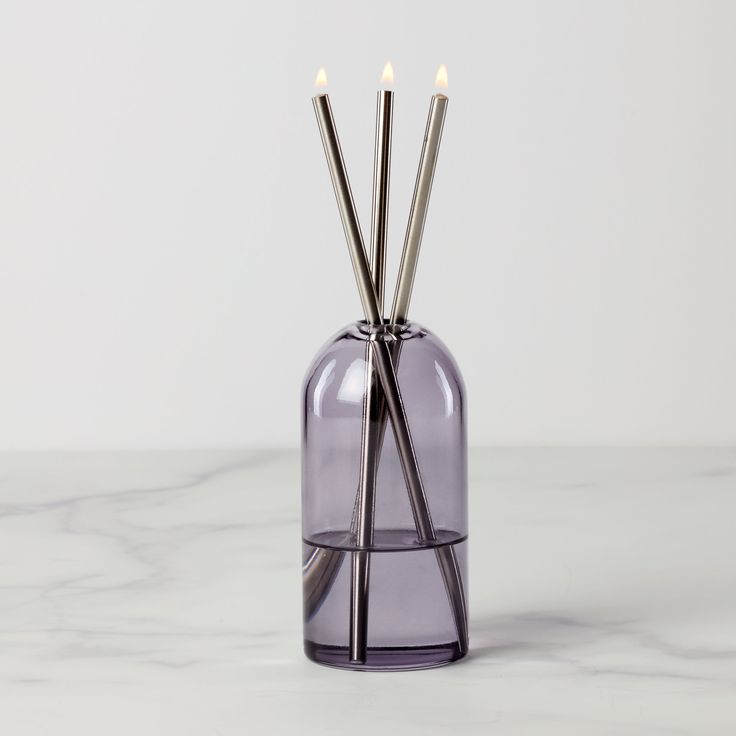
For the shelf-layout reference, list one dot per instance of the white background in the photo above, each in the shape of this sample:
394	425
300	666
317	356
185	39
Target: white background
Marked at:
172	255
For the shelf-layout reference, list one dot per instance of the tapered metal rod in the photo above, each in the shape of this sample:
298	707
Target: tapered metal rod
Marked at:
446	557
384	365
419	206
373	399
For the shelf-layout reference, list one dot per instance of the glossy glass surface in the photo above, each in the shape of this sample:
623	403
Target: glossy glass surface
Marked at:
410	623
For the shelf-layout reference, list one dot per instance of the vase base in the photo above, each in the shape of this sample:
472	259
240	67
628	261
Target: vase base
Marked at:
385	659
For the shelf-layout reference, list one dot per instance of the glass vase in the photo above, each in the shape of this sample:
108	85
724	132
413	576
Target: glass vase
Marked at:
393	596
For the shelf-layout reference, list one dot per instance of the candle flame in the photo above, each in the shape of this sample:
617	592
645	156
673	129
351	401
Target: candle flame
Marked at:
321	80
388	74
441	79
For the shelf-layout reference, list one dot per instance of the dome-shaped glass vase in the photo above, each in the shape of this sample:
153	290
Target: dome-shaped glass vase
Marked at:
384	523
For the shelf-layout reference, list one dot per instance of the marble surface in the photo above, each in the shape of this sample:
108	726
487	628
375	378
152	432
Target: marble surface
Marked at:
159	593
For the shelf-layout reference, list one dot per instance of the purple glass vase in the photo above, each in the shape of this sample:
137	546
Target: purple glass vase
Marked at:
413	618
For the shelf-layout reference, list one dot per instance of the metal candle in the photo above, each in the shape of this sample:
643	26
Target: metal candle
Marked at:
446	557
373	401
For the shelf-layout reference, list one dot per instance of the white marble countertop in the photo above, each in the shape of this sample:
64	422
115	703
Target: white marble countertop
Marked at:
159	593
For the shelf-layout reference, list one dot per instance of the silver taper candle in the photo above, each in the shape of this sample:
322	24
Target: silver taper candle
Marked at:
373	400
384	366
419	206
446	557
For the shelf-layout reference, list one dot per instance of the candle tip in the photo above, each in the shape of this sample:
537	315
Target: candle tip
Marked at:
388	74
321	80
441	78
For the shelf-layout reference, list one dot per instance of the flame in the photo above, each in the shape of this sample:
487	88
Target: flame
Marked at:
441	79
388	74
321	80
